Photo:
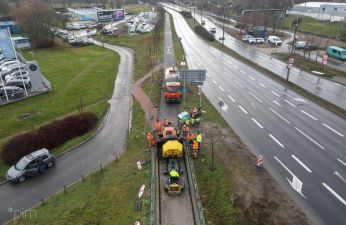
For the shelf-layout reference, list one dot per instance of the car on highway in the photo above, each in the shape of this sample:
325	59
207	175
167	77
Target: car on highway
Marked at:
274	40
28	166
336	52
12	92
213	30
256	40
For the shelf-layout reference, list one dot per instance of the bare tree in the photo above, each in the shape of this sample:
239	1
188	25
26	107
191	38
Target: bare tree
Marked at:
36	19
4	7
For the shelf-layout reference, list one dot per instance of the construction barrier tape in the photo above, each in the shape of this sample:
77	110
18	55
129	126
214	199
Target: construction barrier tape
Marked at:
141	190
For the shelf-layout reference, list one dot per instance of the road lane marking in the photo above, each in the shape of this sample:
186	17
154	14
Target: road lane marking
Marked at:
240	107
221	88
230	97
262	84
208	74
214	81
338	133
257	123
289	103
255	97
312	117
276	102
275	93
301	163
236	67
334	193
276	113
276	140
242	71
225	73
309	138
296	184
339	175
238	83
252	78
341	161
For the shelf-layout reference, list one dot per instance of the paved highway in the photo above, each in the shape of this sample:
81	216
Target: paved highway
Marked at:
107	144
303	144
326	89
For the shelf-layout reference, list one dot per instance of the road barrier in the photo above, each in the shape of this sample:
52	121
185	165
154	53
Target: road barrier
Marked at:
195	198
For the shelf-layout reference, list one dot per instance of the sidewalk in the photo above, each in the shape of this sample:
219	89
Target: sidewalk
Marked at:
148	107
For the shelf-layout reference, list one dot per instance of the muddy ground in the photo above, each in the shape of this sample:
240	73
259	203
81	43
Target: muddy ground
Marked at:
257	197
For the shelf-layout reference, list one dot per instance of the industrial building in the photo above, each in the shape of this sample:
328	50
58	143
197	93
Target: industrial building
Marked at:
323	11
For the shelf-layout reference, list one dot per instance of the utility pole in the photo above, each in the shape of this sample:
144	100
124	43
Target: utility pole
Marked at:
292	47
194	13
223	26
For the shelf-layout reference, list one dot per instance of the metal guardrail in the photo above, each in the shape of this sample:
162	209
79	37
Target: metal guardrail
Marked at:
195	198
152	189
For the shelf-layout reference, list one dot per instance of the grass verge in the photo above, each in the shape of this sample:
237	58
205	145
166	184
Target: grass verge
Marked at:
74	73
108	197
270	74
304	64
152	87
177	46
308	24
137	8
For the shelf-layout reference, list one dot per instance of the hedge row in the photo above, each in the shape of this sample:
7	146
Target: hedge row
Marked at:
204	33
48	136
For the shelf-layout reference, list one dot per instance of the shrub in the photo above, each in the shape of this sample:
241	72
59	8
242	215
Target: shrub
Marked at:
204	33
48	136
186	14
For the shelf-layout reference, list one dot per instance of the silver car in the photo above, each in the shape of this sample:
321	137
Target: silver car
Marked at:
29	165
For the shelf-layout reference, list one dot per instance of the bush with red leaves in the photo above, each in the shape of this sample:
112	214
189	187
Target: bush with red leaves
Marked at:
48	136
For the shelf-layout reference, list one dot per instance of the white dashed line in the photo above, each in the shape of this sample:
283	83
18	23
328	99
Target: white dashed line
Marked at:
230	97
238	83
309	138
214	81
242	71
312	117
276	102
334	193
256	122
301	163
252	78
262	84
338	133
289	103
242	109
275	93
276	140
339	175
276	113
341	162
222	89
255	97
236	67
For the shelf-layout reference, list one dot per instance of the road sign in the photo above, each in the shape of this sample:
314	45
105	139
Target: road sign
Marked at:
291	61
221	38
289	66
259	161
324	62
325	57
192	75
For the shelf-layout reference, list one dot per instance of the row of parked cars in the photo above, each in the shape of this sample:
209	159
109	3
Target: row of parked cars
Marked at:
260	40
14	77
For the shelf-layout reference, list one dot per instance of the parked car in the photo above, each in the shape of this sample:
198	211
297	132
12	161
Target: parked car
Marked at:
246	38
300	44
29	165
7	63
18	82
11	69
213	30
274	40
17	74
254	40
336	52
12	92
5	69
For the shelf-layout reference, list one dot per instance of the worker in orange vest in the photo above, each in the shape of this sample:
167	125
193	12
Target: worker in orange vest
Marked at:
186	131
158	126
191	138
151	139
195	148
165	122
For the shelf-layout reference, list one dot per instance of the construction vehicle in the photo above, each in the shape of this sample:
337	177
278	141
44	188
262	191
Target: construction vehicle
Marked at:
172	86
170	147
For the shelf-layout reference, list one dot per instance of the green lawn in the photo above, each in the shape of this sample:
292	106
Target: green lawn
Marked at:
152	87
87	72
108	197
177	46
137	8
311	25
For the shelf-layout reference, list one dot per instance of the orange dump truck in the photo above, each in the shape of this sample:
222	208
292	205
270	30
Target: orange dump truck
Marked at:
172	87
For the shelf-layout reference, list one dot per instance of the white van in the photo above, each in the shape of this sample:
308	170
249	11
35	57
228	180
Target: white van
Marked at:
274	40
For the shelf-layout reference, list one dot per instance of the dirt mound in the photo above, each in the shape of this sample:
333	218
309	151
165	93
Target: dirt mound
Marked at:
256	195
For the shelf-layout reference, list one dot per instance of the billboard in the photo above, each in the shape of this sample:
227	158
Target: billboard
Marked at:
6	44
110	15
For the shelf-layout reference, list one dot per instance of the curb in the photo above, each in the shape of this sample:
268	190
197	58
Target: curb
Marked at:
79	144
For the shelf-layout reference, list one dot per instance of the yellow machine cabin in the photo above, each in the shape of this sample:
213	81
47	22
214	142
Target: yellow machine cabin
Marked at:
172	148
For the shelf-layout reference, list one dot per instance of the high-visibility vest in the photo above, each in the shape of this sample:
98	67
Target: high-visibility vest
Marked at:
199	138
186	129
195	145
191	136
174	173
